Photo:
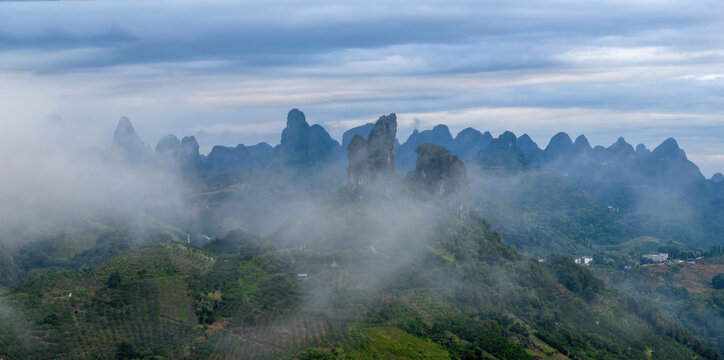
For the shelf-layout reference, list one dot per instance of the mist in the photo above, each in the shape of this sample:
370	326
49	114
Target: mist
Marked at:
49	180
369	239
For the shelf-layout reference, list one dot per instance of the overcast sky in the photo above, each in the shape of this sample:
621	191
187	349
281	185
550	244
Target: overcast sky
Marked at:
228	72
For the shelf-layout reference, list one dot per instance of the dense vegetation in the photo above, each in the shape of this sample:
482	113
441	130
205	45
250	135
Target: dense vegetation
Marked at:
683	291
542	213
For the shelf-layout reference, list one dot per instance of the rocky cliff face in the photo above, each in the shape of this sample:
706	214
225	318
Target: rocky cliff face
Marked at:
381	144
375	156
359	171
439	170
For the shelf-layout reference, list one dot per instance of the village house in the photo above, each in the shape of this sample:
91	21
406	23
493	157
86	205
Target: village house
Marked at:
659	258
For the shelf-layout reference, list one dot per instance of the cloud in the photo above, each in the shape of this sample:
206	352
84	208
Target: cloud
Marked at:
229	71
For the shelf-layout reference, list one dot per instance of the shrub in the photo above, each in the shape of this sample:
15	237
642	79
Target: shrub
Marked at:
718	281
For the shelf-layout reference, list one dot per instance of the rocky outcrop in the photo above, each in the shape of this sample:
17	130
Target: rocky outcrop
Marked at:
168	145
374	157
182	155
223	159
381	144
439	170
127	145
443	175
359	170
304	146
363	131
406	155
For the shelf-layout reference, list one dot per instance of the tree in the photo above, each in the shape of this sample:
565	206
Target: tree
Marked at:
125	351
114	280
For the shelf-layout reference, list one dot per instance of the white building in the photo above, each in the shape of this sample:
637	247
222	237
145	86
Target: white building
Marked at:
660	257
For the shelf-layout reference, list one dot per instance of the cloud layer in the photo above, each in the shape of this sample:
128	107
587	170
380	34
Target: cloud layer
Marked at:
228	71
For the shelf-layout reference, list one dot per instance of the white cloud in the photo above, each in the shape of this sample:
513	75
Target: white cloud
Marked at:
704	77
637	55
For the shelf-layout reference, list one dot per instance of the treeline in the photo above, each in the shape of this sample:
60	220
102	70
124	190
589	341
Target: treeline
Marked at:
479	340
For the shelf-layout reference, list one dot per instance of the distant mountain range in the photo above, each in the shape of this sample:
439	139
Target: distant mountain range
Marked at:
658	192
303	145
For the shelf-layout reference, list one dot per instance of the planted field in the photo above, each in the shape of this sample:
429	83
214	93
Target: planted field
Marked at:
81	315
271	338
387	342
153	315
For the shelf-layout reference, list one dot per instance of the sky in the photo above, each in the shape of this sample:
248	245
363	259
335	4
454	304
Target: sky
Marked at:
228	72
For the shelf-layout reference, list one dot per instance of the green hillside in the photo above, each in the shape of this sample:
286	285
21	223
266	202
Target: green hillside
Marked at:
81	314
416	284
75	245
542	213
683	291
